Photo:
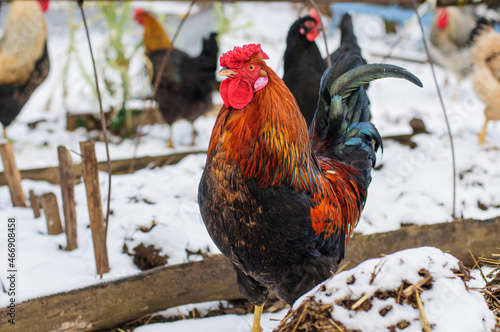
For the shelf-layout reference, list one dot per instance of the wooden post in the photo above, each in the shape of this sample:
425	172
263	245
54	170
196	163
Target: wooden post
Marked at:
66	177
51	209
91	179
12	175
35	204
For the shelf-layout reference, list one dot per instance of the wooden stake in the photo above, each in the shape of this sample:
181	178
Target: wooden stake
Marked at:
35	204
12	175
66	177
51	209
91	179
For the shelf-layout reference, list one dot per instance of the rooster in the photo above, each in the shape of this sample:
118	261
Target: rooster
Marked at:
280	203
486	72
185	90
450	42
24	59
304	65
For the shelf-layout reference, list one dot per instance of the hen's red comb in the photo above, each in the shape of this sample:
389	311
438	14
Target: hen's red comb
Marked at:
442	18
44	5
238	55
314	15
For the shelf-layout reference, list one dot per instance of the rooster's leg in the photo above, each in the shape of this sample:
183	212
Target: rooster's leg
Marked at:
4	131
170	142
193	134
256	318
482	140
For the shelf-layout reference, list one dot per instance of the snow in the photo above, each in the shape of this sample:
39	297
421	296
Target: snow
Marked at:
448	304
226	323
412	186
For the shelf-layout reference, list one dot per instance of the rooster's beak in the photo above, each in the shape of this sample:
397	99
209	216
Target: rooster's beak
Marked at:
226	72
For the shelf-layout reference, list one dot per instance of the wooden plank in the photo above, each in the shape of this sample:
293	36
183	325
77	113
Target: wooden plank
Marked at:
407	3
91	180
213	279
51	210
481	237
108	304
35	204
92	120
12	175
68	197
121	166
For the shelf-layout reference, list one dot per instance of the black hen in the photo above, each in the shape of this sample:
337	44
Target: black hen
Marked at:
348	40
304	65
186	85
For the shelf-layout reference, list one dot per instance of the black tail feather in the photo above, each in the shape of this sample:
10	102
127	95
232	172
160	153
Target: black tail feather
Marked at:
341	127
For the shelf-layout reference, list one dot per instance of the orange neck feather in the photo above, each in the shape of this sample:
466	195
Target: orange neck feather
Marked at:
269	133
155	38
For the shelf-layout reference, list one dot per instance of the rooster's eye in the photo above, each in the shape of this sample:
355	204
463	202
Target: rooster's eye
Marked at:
251	67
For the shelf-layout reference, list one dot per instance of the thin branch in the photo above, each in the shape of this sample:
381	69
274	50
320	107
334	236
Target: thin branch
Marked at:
479	267
157	82
328	60
450	136
103	122
420	305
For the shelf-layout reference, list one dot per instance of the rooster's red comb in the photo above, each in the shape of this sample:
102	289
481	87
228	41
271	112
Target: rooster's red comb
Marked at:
138	12
238	55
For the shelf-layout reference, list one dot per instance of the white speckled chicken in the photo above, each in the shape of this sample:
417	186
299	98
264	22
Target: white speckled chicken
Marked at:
449	41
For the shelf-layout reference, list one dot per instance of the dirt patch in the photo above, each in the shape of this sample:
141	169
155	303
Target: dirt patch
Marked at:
148	257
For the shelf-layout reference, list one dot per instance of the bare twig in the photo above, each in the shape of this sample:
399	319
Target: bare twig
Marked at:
416	287
158	80
425	322
328	60
450	136
362	299
479	267
103	122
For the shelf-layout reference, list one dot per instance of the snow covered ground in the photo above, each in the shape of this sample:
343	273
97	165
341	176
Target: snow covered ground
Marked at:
411	186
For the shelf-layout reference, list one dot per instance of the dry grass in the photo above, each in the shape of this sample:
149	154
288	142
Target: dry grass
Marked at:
491	291
312	316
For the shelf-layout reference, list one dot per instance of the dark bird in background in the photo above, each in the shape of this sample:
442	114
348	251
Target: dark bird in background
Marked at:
304	64
278	202
24	59
348	40
186	85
